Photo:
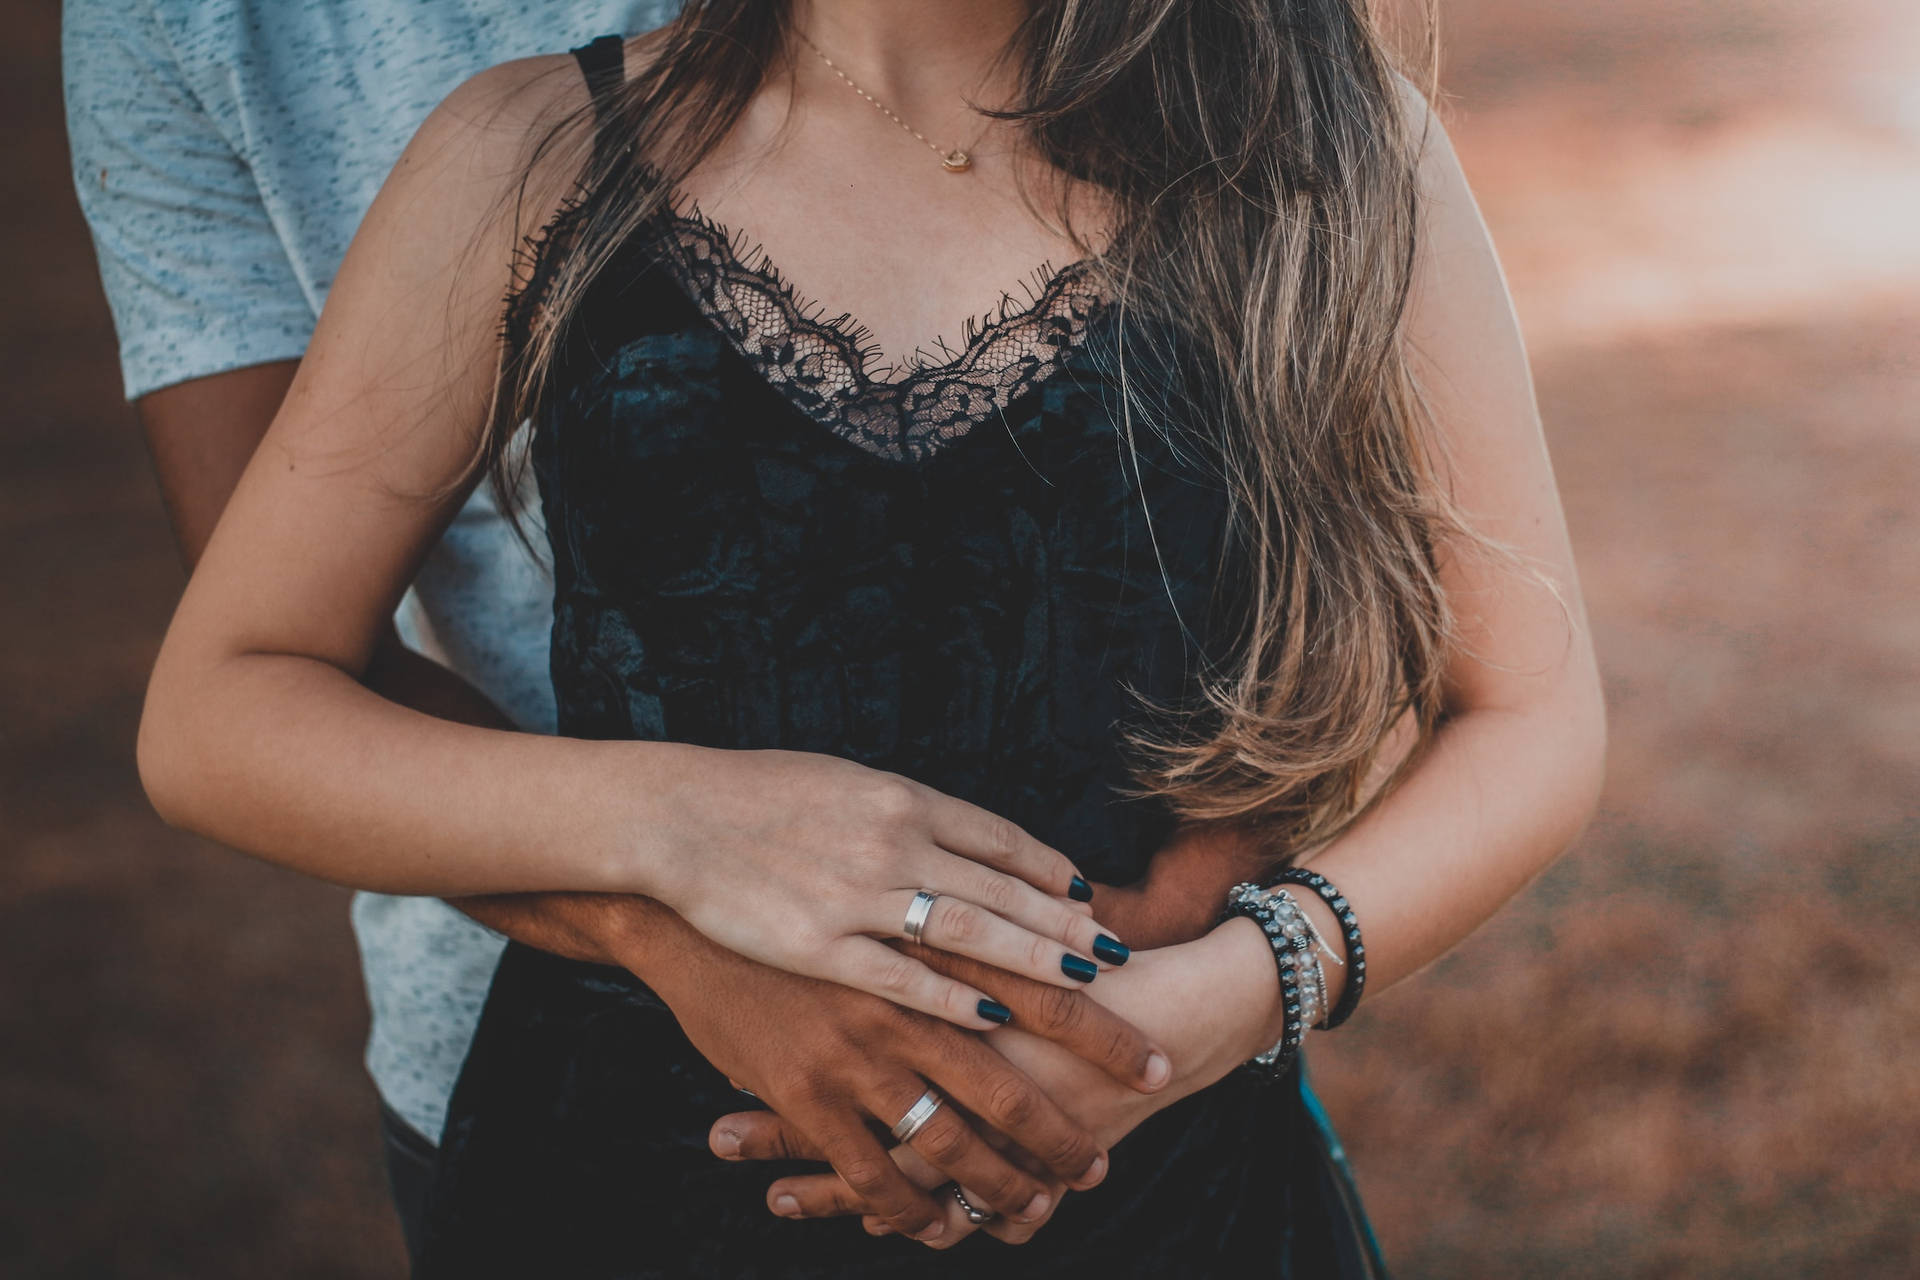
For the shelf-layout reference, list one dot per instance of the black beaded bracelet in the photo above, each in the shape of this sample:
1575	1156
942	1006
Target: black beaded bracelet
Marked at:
1275	1062
1349	931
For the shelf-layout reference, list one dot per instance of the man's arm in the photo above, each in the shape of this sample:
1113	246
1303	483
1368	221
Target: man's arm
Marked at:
1185	887
199	436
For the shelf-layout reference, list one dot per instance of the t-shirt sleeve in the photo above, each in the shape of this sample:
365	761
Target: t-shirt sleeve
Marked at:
194	271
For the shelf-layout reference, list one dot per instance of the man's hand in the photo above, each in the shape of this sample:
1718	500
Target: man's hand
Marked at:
1211	1002
832	1062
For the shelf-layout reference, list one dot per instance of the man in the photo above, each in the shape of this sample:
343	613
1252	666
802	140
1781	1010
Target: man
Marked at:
224	154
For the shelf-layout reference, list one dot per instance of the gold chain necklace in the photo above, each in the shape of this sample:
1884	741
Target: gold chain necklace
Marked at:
954	161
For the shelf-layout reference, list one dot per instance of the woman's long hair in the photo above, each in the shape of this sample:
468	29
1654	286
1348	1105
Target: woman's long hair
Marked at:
1259	160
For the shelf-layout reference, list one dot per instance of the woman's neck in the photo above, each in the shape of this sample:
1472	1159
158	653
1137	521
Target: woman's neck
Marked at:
907	52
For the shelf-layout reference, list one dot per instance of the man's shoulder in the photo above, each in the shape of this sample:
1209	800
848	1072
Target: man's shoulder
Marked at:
369	58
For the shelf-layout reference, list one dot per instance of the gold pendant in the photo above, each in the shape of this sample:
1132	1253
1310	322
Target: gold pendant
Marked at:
956	162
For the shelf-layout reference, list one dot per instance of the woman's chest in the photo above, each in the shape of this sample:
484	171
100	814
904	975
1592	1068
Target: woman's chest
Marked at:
733	572
681	470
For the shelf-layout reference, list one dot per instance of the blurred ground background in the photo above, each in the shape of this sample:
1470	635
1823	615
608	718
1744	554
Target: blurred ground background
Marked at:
1689	1051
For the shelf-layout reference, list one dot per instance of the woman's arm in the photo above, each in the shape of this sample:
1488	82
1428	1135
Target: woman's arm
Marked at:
1515	770
260	731
1509	781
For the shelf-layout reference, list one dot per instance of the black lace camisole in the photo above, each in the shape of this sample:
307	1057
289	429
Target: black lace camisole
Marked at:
953	570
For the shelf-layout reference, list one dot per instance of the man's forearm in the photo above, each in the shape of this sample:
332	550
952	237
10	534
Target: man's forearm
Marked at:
635	933
1185	886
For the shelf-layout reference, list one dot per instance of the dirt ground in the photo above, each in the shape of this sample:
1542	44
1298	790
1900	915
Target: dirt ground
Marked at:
1686	1052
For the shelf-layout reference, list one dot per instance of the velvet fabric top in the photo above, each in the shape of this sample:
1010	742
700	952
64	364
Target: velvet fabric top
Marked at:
953	575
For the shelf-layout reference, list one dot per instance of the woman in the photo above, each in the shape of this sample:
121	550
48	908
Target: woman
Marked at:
1240	521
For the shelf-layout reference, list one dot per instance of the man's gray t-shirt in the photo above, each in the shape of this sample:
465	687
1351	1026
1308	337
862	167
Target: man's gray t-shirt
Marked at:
224	153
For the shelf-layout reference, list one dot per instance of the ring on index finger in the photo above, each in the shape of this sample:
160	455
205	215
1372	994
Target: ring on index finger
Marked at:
917	912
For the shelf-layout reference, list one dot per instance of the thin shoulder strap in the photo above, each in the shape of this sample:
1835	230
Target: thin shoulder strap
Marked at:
604	64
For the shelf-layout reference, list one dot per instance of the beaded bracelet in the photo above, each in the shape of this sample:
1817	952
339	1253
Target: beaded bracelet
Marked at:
1319	1005
1349	932
1302	983
1295	926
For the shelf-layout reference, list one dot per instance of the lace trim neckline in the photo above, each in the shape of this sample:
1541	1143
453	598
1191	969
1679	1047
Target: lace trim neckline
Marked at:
1039	289
827	366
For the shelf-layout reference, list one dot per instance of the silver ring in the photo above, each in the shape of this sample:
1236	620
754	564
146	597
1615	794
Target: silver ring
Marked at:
917	912
917	1116
978	1217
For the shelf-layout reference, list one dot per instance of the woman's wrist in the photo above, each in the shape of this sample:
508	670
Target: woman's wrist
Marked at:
1245	949
1218	1003
649	837
1294	914
1253	988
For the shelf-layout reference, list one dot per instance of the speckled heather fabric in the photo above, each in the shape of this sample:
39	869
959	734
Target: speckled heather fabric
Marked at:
224	152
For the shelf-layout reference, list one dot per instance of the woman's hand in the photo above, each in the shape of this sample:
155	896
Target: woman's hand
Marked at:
1211	1003
804	862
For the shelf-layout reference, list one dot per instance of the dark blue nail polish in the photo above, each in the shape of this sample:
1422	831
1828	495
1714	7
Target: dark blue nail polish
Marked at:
1080	890
1112	950
1079	970
994	1011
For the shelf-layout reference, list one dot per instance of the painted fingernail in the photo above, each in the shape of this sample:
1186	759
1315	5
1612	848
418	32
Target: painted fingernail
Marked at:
1078	969
994	1011
1112	950
786	1206
1035	1207
1158	1071
726	1144
932	1231
1080	890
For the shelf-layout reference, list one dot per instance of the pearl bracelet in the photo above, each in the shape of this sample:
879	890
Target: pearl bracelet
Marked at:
1356	959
